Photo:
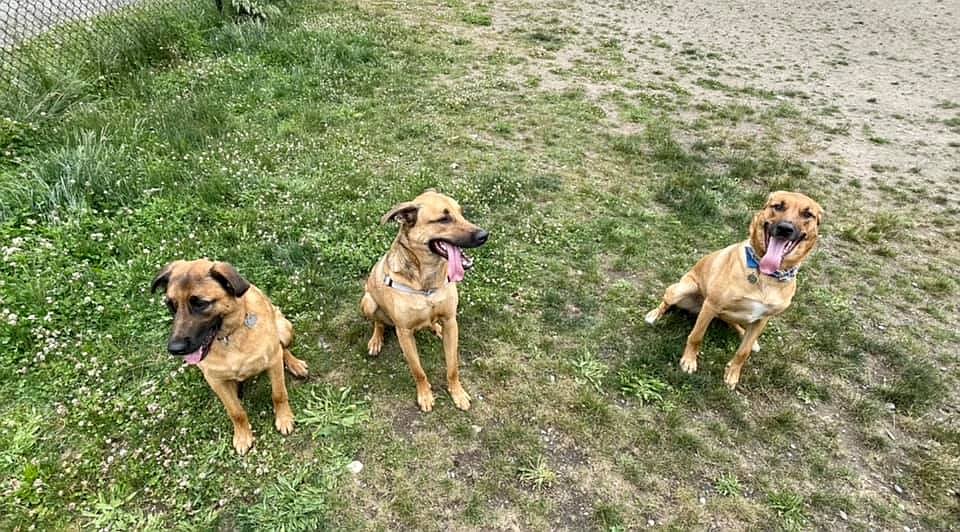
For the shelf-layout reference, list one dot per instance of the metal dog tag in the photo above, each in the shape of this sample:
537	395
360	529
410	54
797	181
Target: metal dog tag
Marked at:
753	278
250	320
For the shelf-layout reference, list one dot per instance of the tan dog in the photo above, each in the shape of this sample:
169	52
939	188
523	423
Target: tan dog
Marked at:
734	285
229	328
414	286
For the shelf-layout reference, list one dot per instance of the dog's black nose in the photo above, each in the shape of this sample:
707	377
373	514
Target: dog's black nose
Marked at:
178	347
480	237
785	230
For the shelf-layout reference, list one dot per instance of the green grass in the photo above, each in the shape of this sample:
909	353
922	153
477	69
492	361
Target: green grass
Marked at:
278	146
642	387
728	486
536	474
789	509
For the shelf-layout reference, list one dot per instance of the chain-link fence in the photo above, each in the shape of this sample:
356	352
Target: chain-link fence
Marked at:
61	32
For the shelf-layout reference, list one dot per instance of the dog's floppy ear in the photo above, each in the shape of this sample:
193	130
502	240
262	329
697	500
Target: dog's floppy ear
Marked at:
162	278
818	212
229	279
770	196
405	213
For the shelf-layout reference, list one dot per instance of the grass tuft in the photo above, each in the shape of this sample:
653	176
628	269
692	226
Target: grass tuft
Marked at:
789	509
642	387
537	474
296	503
728	485
590	370
330	413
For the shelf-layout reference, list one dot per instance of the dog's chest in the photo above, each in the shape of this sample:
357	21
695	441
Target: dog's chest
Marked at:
421	307
232	363
750	309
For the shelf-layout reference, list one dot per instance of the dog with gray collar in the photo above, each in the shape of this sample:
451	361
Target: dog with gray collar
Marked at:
414	285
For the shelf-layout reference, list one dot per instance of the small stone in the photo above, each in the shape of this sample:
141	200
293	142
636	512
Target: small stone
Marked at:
891	407
843	515
898	489
651	522
355	467
476	428
703	500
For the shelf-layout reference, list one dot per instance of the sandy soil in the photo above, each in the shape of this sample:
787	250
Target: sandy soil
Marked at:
886	66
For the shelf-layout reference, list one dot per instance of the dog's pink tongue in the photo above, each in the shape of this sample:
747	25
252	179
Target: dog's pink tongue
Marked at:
454	263
774	256
195	357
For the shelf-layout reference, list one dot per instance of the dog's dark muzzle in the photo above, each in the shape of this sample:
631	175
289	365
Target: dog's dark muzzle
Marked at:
184	344
475	240
785	230
180	347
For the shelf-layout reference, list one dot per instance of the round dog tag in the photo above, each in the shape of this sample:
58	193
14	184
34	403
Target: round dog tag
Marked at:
753	278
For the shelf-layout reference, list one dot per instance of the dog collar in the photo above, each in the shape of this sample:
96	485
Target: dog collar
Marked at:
249	321
400	287
753	263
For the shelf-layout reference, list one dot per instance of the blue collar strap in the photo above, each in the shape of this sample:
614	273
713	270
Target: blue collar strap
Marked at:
783	276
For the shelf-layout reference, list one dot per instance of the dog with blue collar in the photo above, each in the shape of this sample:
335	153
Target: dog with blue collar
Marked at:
747	283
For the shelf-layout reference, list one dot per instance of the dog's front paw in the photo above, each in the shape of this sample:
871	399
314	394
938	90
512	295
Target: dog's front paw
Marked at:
242	441
688	362
652	316
731	376
425	400
460	397
284	424
375	345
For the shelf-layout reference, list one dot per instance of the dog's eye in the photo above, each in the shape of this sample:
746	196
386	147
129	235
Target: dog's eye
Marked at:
807	214
198	304
445	220
780	207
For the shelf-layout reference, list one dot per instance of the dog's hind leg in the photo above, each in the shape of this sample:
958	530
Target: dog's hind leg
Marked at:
684	293
296	366
369	308
284	330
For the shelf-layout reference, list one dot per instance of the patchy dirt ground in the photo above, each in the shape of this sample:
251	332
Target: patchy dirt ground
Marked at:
871	93
887	67
867	95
